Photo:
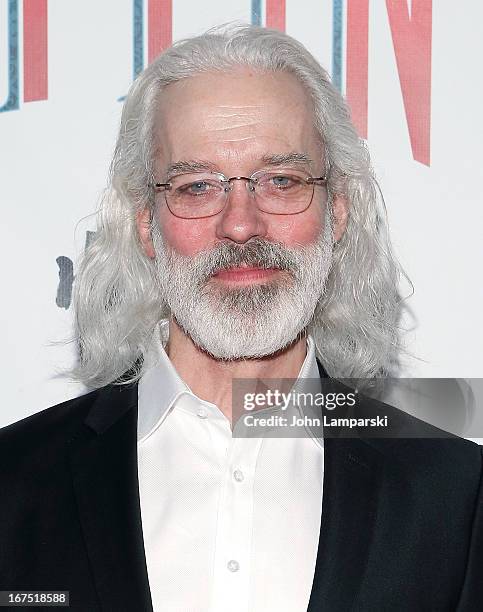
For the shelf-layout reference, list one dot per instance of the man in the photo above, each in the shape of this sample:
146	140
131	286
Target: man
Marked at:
241	239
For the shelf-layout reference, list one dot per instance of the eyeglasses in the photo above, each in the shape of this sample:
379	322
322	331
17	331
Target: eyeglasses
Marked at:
204	194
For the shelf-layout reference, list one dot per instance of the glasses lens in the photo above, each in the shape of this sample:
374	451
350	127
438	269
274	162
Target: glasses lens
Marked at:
195	195
283	192
203	194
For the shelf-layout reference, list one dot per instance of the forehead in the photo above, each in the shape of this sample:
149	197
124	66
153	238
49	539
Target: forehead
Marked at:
240	114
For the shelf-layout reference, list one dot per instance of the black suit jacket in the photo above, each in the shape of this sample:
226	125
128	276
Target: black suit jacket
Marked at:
401	529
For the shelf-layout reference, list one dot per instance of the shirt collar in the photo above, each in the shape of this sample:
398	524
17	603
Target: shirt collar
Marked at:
161	385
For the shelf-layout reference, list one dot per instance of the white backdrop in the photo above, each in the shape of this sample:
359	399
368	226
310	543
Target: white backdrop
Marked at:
55	152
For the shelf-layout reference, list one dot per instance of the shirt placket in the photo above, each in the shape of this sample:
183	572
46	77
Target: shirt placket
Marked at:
232	557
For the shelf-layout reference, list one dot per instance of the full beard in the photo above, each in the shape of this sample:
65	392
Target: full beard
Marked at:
251	321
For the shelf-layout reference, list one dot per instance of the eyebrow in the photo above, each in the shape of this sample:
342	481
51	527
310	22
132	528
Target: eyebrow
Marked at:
270	159
192	165
281	159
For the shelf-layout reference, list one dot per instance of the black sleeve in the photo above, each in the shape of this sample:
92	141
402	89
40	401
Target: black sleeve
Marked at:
471	598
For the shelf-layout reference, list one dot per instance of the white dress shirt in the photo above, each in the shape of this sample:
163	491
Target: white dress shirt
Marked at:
229	524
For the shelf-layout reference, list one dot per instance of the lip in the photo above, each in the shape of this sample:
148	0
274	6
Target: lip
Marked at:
245	273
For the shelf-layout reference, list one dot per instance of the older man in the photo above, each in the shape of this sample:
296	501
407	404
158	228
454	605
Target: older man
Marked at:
241	239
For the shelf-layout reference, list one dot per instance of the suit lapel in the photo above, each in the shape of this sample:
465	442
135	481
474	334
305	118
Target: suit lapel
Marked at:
104	471
352	478
352	475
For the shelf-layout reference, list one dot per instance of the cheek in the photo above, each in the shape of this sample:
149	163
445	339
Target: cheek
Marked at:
302	229
185	236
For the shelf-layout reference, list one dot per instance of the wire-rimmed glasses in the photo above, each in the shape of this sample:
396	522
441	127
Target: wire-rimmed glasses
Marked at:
195	195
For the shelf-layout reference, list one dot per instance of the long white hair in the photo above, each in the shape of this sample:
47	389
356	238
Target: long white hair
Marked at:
116	297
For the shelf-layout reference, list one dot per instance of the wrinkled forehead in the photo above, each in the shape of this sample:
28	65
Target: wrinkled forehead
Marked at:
235	108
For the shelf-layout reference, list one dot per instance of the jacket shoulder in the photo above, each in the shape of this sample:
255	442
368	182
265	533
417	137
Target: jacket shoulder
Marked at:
45	429
409	447
420	448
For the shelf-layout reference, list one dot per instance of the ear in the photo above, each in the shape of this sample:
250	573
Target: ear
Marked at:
340	212
143	223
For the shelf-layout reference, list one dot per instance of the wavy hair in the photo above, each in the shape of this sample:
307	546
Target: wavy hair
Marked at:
116	297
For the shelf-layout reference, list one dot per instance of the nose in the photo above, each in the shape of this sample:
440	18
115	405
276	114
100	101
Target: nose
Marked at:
240	219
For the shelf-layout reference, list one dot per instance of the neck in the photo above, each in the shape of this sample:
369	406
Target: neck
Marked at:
211	379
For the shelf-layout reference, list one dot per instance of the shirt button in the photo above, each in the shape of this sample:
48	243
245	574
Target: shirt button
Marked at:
233	565
238	475
202	413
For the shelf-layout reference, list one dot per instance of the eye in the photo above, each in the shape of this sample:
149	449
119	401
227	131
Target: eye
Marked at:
281	181
197	188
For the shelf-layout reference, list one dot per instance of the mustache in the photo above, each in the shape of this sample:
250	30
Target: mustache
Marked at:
257	253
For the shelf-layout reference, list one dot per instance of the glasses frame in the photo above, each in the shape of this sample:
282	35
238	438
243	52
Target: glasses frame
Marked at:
251	184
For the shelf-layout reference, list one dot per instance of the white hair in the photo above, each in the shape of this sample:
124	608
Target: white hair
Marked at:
116	297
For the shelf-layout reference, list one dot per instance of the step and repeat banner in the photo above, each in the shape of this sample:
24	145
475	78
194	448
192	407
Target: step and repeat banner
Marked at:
409	70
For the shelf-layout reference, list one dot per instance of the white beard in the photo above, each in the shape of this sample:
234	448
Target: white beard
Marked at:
251	321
